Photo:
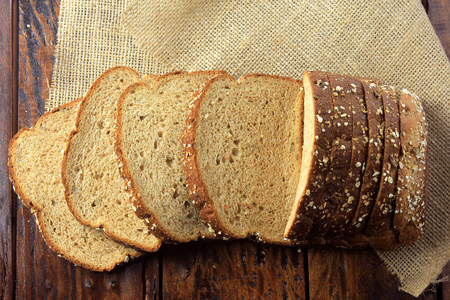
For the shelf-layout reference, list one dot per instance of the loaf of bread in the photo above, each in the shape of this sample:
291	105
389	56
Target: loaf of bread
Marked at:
355	193
332	160
35	157
94	189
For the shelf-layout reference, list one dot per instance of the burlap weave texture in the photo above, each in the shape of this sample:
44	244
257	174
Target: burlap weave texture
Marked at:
388	39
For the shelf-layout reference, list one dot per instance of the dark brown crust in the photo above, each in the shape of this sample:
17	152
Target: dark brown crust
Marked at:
35	208
375	146
141	210
347	208
383	211
299	227
65	181
196	185
410	207
342	127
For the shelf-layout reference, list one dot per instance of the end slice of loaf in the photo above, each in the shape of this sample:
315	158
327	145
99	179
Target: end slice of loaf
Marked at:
412	173
150	124
383	211
94	189
35	157
242	154
317	140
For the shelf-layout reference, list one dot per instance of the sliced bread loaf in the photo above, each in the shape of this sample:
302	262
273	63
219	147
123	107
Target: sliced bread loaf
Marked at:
242	154
35	157
412	173
383	211
317	143
150	124
94	189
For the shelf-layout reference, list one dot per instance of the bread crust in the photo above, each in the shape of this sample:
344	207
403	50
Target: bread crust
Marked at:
347	208
146	247
372	174
411	200
307	203
36	208
383	211
341	153
141	210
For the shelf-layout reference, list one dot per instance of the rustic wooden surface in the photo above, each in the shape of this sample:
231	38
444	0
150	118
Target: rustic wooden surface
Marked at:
206	270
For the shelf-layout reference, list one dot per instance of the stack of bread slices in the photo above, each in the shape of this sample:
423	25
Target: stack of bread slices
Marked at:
330	160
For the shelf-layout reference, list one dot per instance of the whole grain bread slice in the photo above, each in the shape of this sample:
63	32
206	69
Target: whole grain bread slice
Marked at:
371	179
242	153
383	211
150	124
94	189
412	173
35	157
341	152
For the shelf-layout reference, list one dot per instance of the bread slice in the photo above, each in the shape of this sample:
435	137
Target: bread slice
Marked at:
412	173
383	211
372	174
341	153
94	189
150	124
242	154
317	140
347	207
35	157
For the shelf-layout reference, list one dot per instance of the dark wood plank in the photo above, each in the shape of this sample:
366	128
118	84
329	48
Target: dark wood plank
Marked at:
339	274
152	278
439	15
8	84
40	272
445	286
233	270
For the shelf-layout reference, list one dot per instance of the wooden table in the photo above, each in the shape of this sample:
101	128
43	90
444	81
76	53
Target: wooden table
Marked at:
236	270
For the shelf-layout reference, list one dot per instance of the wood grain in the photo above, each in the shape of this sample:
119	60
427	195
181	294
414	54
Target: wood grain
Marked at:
8	84
439	15
233	270
339	274
40	272
152	272
445	286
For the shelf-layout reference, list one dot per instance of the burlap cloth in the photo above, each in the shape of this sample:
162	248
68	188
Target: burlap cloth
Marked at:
388	39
